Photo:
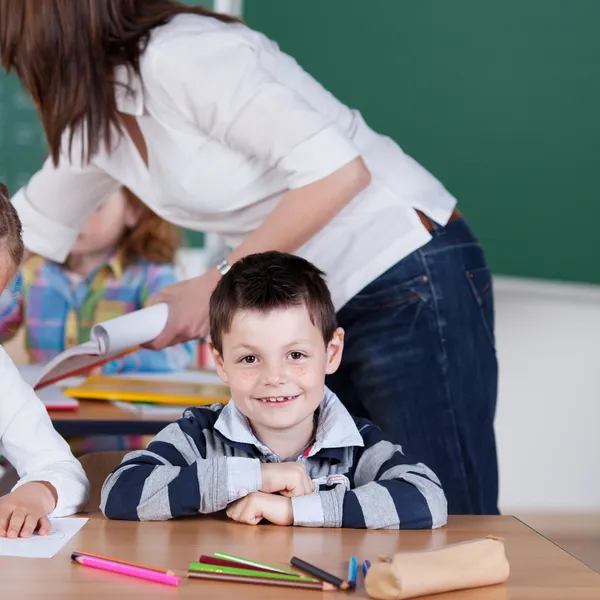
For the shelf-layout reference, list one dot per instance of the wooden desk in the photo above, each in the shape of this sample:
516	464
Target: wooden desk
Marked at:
576	533
94	417
540	570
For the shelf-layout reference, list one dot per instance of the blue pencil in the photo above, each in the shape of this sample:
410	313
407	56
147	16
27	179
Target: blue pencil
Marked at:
352	571
366	565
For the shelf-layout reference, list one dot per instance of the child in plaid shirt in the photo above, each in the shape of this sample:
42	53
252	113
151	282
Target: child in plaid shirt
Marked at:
123	256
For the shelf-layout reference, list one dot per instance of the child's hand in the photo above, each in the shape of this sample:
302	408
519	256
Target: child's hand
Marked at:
289	479
255	507
26	510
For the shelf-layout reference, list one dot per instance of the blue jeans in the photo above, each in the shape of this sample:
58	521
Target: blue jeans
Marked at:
420	362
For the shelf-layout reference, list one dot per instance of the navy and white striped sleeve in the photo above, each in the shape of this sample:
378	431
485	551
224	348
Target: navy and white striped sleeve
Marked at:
389	492
183	471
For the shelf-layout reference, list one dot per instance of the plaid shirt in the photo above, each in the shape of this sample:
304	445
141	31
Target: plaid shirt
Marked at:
59	313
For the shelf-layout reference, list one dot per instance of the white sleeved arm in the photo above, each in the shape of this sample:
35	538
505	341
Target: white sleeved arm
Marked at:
55	204
32	445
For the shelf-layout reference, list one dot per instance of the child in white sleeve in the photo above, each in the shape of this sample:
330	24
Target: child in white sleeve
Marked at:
52	481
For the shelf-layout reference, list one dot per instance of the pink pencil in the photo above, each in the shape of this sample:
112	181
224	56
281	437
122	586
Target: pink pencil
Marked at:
115	567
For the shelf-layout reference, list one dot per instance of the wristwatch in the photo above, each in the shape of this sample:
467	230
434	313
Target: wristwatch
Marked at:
223	267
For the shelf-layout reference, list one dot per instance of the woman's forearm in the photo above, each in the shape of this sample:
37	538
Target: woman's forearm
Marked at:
303	212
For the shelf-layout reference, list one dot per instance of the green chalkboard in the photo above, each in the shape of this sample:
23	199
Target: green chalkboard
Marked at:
22	143
500	100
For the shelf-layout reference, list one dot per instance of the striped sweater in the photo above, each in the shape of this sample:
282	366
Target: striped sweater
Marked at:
210	458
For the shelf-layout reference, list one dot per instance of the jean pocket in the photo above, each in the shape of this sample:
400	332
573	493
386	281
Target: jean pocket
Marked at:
382	294
480	283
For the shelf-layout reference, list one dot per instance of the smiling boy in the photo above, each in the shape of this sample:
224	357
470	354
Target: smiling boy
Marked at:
284	449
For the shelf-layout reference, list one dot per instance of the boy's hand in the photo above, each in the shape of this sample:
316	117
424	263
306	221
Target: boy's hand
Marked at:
289	479
26	510
255	507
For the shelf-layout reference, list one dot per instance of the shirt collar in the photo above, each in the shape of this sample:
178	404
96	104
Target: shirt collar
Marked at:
335	427
114	266
129	94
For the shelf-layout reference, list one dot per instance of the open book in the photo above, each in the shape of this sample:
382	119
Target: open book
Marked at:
109	340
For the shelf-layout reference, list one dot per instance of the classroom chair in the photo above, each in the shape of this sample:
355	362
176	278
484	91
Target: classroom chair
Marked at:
97	466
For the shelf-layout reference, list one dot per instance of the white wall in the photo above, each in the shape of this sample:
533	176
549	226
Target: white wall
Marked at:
548	341
549	400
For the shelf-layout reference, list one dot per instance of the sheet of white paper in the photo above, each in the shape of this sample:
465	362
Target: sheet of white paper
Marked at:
43	546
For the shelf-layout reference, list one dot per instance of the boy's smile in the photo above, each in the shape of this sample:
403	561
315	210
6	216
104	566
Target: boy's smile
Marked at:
278	400
275	363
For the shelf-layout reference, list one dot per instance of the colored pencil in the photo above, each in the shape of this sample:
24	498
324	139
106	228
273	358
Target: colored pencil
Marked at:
123	569
365	566
118	560
319	573
211	560
352	571
195	566
291	582
253	563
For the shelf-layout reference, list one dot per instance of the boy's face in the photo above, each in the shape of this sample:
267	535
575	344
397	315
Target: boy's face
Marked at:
275	364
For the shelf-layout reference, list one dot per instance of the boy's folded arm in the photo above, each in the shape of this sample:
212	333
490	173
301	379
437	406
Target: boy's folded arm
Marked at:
34	448
179	474
390	492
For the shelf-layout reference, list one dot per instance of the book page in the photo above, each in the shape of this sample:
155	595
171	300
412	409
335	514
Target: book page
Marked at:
31	374
70	363
131	330
110	340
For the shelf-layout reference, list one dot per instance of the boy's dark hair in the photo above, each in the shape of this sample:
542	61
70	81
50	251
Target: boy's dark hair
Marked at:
10	228
268	281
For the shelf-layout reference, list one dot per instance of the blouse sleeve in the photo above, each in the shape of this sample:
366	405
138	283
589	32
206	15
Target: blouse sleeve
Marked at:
55	204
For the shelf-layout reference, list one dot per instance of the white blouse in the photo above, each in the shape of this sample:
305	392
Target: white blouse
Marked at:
231	123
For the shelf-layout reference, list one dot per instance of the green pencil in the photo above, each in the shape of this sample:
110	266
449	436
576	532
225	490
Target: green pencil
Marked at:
253	563
204	568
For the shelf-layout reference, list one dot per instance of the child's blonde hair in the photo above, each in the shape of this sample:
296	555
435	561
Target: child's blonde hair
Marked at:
152	238
10	228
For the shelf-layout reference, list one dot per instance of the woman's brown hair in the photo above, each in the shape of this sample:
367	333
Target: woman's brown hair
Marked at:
65	52
152	238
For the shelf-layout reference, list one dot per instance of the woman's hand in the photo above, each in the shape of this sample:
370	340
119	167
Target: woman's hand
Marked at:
188	309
